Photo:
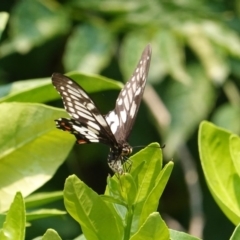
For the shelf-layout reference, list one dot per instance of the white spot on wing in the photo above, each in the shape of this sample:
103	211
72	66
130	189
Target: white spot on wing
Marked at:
93	130
138	91
83	115
101	120
123	115
74	115
129	95
126	103
119	101
133	109
114	124
90	106
111	117
72	110
94	125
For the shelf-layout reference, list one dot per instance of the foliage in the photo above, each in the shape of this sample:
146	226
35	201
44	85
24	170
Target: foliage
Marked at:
194	76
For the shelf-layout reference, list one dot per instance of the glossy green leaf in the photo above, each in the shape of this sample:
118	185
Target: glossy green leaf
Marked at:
236	233
93	45
219	170
31	148
39	199
129	188
90	211
151	180
152	158
81	237
234	143
51	235
152	199
2	219
42	90
14	226
154	228
44	213
3	21
176	235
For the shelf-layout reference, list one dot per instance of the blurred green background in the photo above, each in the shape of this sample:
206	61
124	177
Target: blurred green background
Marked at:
194	75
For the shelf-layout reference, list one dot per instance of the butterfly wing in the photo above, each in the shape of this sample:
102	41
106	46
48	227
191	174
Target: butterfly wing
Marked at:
122	118
88	125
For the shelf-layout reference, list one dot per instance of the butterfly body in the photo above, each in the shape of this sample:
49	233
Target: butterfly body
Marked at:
90	126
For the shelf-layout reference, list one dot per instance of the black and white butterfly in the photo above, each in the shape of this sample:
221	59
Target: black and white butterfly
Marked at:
90	126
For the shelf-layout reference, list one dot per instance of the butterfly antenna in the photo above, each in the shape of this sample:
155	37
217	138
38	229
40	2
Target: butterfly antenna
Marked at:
143	146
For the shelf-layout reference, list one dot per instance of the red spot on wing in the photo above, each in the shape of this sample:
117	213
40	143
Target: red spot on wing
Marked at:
65	127
81	141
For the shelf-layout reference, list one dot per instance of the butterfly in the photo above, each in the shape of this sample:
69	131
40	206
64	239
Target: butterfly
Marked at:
88	125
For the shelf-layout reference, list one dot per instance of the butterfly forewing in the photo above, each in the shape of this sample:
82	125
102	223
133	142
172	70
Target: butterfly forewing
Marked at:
122	118
87	124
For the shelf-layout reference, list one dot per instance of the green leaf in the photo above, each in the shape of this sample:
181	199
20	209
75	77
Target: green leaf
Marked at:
235	152
150	180
3	21
106	6
42	90
36	90
223	36
93	50
44	213
81	237
172	55
51	235
154	228
45	20
39	199
129	188
2	219
94	83
14	226
90	211
236	233
227	116
152	199
212	58
130	53
176	235
31	148
218	168
187	108
152	158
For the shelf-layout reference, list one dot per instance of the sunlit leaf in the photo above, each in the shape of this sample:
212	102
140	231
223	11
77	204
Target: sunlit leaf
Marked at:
31	148
51	234
219	170
14	225
42	90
